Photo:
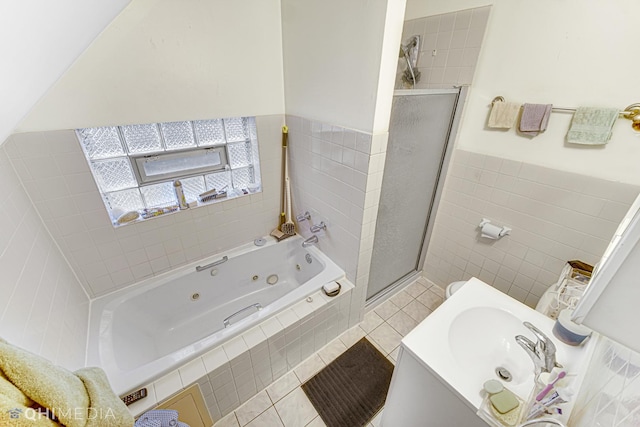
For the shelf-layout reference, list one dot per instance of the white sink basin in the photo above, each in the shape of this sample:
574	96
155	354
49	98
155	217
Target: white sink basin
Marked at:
482	339
473	332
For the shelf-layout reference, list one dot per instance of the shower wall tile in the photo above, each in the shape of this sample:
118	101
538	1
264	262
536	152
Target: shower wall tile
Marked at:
336	175
449	49
555	216
57	178
43	308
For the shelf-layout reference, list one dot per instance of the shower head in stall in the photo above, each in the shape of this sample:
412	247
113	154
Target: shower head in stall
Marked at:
409	52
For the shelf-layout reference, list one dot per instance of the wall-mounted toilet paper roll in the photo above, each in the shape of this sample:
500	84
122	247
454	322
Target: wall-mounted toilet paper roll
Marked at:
491	231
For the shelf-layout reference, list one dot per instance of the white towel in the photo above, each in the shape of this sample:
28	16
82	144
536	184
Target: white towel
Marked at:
503	115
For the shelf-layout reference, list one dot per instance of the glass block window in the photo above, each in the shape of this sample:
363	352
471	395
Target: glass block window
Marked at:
136	166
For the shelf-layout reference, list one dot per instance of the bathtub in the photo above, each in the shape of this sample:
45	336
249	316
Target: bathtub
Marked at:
143	331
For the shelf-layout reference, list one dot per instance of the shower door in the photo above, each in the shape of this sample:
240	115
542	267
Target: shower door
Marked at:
421	127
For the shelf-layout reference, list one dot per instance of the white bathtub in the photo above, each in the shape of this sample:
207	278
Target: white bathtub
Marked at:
141	332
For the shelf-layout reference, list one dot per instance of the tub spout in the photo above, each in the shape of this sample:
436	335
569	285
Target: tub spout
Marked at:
310	241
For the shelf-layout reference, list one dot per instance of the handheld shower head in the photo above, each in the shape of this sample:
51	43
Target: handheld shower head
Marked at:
409	52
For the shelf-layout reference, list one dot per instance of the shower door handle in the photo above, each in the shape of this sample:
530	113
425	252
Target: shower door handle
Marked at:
227	321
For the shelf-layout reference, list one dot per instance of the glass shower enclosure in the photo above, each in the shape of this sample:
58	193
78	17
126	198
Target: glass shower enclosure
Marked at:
421	136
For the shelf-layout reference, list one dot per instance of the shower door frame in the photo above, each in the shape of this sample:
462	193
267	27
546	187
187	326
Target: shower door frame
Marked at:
439	187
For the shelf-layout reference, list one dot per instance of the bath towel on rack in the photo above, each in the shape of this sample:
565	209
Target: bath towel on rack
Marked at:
592	126
534	119
503	115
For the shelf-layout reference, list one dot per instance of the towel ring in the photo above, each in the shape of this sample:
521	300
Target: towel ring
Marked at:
497	99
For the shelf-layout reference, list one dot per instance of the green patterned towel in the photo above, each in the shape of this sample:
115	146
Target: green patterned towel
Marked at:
592	126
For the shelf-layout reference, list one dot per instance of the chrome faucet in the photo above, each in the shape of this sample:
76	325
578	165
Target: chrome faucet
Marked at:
310	241
542	352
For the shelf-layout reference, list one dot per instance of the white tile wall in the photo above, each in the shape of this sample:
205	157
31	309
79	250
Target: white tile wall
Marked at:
336	174
57	178
450	47
555	215
231	374
43	307
610	394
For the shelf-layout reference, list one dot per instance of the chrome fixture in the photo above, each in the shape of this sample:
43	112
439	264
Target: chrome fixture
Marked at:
410	52
318	227
310	241
257	306
213	264
542	353
303	217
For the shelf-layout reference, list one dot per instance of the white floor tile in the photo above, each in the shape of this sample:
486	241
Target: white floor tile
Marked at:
352	336
253	407
402	323
332	350
268	418
283	386
401	299
430	300
317	422
417	311
415	289
295	409
309	368
386	337
371	321
386	310
228	421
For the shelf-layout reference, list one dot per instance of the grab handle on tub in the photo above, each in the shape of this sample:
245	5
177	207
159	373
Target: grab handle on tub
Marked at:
213	264
227	321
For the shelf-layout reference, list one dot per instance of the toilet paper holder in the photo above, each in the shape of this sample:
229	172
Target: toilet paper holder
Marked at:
491	231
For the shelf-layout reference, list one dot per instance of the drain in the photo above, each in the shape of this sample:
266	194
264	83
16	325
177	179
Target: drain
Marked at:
309	258
503	374
195	297
273	279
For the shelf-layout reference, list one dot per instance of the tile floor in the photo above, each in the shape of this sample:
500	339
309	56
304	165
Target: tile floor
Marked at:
284	403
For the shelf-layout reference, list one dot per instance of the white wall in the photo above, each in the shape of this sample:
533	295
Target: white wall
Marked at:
332	57
169	60
570	53
43	308
39	40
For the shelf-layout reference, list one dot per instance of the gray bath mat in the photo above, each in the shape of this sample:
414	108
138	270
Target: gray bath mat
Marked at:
352	388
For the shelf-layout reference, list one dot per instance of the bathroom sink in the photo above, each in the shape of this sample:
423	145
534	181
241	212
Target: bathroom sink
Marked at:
473	333
482	342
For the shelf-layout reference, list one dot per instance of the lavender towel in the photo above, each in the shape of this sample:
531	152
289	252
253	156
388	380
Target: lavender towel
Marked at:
534	119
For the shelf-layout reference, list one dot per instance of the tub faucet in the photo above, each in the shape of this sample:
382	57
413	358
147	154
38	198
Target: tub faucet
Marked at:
542	352
310	241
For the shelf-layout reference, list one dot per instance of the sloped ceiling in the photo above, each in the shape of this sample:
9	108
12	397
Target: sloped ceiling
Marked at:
39	40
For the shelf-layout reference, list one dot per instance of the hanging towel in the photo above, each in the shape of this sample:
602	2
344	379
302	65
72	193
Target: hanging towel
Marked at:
592	126
503	115
534	119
